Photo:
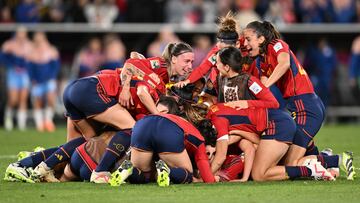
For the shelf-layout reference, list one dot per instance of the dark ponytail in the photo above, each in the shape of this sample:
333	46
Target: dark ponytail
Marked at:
231	56
228	29
206	129
265	29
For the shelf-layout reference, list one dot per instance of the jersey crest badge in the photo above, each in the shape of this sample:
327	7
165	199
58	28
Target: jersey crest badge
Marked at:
212	59
278	46
154	64
255	88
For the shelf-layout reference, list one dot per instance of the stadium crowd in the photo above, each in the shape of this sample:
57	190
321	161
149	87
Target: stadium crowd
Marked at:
249	110
106	12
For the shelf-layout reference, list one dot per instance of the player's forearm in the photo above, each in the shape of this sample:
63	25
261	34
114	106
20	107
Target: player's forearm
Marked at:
279	71
252	137
148	101
249	151
125	76
220	156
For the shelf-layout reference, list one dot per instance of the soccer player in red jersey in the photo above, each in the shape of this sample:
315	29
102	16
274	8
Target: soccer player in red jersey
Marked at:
150	137
280	66
246	123
236	86
96	98
226	36
279	130
176	61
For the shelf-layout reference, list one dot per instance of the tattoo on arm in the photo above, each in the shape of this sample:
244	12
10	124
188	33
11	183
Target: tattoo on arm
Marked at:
127	73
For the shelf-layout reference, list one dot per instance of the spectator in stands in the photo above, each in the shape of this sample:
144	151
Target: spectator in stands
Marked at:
145	11
190	12
55	12
114	52
280	12
342	11
76	12
358	10
223	7
27	12
322	58
44	66
202	46
245	12
175	10
5	16
165	36
311	11
201	11
355	69
88	60
102	13
122	8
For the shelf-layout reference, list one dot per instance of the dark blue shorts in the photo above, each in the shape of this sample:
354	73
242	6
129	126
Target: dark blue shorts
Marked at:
79	165
308	112
157	134
85	97
281	126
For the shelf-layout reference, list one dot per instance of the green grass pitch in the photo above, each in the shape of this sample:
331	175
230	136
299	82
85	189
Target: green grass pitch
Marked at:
339	138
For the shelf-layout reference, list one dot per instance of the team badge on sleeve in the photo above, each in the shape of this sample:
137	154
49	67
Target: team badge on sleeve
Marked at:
255	88
212	59
278	46
155	64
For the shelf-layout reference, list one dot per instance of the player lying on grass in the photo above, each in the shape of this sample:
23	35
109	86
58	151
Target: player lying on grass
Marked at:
81	159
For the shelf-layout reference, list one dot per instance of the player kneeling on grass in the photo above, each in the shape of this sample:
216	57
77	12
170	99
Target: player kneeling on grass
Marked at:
99	153
150	138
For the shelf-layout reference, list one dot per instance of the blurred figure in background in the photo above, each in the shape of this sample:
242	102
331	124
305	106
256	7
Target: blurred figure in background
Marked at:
114	52
27	12
322	59
88	60
165	36
101	12
311	11
44	66
355	69
76	13
55	11
245	12
5	16
202	46
14	54
280	12
342	11
190	12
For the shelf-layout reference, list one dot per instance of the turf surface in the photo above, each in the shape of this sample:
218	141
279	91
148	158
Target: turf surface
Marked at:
339	138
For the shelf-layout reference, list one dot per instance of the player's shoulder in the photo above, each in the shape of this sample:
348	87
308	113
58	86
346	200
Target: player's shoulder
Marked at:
277	45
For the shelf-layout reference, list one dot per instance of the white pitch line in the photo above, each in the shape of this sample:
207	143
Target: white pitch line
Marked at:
8	156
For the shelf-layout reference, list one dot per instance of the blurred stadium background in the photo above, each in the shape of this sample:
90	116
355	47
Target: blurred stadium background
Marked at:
323	34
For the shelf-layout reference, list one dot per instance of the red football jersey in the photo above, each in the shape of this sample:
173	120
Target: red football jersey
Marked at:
209	63
149	66
295	81
225	119
195	146
264	97
110	82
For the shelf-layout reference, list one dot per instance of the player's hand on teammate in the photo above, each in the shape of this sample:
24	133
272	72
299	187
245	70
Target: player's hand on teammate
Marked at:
182	84
240	104
125	98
